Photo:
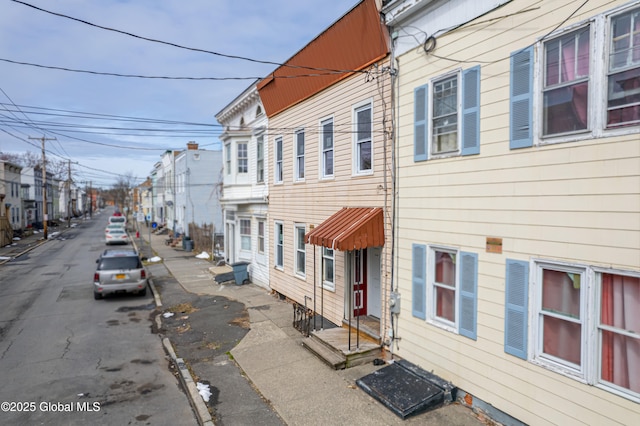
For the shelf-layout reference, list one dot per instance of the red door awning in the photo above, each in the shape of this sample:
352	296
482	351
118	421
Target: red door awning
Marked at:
351	228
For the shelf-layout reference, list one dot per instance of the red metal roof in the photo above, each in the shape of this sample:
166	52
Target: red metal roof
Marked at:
350	228
352	43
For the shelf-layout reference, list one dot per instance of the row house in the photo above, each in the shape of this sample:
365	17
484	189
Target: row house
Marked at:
245	190
518	220
330	193
197	172
33	196
10	194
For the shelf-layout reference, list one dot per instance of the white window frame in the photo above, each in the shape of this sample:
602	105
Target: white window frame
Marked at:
323	151
591	282
227	158
457	74
431	287
278	225
296	250
328	285
278	170
598	81
298	157
260	158
244	236
536	335
244	160
368	104
262	227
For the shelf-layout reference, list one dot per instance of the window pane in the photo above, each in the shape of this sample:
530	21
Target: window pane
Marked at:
300	238
328	163
445	303
561	293
328	270
620	309
364	124
562	339
625	41
445	268
624	98
621	360
566	108
365	155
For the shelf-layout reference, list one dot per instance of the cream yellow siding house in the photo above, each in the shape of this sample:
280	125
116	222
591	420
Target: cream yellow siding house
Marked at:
518	248
329	192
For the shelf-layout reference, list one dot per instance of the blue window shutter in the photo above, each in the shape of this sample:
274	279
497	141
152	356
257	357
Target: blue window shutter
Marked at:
471	111
420	151
468	295
419	281
521	132
516	303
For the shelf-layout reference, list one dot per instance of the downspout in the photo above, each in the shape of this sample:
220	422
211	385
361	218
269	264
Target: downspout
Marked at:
395	88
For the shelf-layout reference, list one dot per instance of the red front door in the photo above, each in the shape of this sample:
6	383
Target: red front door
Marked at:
359	283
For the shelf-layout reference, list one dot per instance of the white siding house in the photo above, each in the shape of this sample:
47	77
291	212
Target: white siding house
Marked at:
245	184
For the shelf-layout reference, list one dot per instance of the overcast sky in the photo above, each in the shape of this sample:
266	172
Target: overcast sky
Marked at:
85	112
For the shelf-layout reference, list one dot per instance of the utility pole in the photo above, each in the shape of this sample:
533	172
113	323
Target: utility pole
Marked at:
45	213
69	197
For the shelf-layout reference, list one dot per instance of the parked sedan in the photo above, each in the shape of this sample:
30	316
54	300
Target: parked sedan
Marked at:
116	236
113	226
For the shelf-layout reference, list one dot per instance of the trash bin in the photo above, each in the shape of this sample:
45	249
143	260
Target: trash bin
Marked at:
240	273
184	241
188	245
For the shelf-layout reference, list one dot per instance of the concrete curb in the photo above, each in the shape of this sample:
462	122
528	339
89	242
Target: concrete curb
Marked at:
204	418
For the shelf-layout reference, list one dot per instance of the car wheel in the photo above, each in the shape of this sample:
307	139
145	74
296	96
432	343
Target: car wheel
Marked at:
97	295
143	292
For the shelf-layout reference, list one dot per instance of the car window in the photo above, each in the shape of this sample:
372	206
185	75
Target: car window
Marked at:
110	263
119	219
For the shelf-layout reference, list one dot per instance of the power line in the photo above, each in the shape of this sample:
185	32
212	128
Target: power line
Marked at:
224	55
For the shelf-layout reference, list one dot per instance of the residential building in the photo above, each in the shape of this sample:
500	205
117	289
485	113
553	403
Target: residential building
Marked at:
10	194
245	192
31	178
518	250
329	188
197	173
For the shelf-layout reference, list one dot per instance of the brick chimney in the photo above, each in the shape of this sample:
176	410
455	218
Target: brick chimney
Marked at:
192	146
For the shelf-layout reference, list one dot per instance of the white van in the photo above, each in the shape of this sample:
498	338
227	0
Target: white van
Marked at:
122	220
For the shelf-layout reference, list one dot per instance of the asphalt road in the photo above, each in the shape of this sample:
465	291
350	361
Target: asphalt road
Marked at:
66	359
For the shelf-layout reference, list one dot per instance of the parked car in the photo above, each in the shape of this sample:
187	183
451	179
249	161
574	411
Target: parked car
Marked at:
116	236
119	271
113	226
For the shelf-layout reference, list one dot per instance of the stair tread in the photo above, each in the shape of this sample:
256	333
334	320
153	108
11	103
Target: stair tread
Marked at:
324	352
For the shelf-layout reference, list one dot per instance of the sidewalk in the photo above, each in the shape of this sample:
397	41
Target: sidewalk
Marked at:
301	388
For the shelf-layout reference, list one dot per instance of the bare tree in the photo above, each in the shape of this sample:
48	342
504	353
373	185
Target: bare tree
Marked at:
122	188
31	159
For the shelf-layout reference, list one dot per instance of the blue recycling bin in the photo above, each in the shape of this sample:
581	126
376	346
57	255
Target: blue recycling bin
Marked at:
240	273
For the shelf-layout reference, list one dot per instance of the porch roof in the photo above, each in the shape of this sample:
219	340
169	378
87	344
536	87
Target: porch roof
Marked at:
350	228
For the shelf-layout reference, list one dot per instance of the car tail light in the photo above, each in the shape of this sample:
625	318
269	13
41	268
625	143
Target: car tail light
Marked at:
143	274
96	277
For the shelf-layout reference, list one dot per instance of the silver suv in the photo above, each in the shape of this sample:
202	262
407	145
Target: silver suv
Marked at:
119	271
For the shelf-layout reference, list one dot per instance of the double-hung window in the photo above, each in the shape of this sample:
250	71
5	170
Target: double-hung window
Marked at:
444	288
586	322
277	170
261	225
260	159
300	250
363	139
623	77
587	85
245	234
227	157
326	131
279	244
447	116
243	157
299	155
328	268
566	83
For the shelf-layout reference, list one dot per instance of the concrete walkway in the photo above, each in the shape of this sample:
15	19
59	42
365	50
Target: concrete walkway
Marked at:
301	388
